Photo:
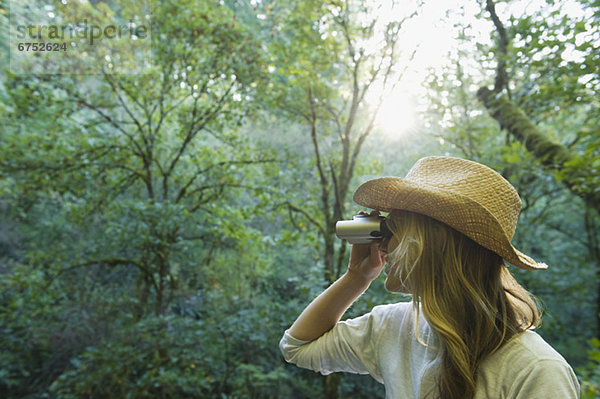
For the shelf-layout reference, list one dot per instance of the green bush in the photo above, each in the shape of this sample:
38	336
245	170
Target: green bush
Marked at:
590	373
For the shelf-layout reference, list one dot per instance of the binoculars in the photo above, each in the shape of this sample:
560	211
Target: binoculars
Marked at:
362	229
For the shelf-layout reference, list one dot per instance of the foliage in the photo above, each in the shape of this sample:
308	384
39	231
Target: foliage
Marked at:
590	373
159	231
176	357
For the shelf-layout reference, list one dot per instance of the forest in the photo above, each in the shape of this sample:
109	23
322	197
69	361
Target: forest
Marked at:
169	189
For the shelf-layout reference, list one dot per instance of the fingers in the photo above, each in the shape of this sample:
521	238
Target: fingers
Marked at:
377	256
372	213
359	252
374	249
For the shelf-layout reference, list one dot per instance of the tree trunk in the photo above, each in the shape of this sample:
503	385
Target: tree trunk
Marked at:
551	154
330	385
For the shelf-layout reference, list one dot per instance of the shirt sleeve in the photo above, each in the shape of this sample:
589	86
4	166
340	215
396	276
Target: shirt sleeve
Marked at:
547	378
350	346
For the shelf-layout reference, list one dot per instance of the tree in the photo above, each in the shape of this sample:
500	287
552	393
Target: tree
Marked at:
327	65
164	131
573	63
329	57
119	178
515	121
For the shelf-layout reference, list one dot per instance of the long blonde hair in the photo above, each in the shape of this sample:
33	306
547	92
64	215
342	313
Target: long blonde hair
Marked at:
465	292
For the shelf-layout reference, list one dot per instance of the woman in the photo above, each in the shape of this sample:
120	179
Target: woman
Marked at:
468	331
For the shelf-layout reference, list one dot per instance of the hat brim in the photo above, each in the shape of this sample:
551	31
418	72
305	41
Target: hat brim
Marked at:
453	209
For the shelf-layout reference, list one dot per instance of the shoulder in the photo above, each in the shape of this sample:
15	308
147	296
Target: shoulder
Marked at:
529	346
532	367
394	313
386	323
392	309
381	319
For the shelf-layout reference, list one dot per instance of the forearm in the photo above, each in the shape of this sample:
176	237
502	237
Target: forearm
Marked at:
327	309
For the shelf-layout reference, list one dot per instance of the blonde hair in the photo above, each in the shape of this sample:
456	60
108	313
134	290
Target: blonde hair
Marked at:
465	292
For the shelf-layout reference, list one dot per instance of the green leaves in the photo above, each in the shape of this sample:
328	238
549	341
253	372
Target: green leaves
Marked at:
122	182
160	243
155	357
590	387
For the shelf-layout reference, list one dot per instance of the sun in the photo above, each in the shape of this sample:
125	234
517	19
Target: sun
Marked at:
432	35
397	114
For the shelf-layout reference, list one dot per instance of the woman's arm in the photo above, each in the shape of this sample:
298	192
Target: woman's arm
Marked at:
366	262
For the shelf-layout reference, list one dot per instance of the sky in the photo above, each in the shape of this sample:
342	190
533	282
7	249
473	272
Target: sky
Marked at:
433	32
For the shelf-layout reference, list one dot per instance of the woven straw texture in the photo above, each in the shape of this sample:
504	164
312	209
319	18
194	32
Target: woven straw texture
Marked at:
467	196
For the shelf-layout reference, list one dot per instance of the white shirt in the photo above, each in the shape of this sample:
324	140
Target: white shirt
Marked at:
383	343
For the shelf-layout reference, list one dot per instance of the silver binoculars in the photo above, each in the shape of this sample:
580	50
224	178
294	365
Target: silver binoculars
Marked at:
362	229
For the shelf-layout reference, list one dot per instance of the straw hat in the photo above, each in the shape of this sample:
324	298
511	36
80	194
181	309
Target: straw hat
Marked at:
467	196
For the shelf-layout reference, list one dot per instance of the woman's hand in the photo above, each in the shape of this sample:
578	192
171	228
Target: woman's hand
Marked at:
366	260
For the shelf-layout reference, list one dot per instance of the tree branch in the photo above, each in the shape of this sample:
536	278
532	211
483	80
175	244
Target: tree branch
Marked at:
501	76
308	215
